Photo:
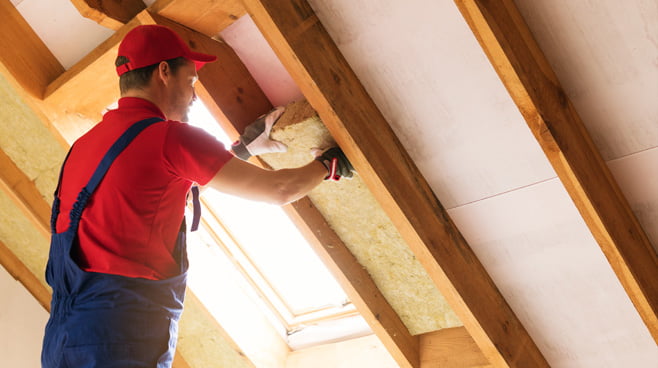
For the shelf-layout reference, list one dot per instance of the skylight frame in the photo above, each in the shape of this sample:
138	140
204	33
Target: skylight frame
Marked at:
233	249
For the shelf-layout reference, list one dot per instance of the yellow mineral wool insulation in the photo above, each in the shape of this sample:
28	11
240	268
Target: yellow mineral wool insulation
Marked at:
28	143
358	219
21	237
202	343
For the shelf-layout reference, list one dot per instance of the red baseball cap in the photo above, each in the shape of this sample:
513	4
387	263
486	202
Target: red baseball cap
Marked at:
150	44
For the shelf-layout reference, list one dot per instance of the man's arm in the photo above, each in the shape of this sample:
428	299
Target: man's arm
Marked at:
248	181
242	179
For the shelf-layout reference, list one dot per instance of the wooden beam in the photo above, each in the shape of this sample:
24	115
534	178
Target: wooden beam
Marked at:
327	81
22	274
208	17
179	361
356	282
451	348
111	14
23	53
24	194
534	87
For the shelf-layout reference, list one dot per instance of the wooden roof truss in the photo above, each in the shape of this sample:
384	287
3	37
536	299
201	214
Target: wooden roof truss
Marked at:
492	334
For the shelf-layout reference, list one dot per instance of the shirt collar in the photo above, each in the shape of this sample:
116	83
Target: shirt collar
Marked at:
140	103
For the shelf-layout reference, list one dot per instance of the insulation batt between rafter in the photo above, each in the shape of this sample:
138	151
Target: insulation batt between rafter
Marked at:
360	222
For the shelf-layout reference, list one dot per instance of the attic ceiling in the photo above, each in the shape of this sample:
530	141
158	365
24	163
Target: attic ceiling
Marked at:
521	174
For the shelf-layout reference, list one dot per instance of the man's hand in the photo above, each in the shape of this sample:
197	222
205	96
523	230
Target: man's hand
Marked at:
256	137
337	164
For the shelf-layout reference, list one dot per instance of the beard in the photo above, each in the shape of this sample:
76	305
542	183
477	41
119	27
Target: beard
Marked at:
185	116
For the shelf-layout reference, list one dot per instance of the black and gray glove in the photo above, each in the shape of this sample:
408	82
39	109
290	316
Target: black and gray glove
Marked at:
256	137
337	164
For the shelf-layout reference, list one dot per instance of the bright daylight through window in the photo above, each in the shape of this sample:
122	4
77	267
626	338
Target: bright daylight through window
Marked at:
254	249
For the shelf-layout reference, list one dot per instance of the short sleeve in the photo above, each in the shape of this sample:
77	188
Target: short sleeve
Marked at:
192	153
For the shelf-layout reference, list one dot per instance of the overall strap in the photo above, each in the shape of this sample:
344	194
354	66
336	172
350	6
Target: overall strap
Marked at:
103	166
196	205
54	212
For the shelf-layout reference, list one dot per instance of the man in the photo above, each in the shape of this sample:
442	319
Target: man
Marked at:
118	260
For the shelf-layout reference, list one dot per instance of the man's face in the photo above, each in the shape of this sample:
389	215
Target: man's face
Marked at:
182	92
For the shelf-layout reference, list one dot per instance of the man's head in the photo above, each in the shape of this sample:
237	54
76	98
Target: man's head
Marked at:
141	77
151	59
150	44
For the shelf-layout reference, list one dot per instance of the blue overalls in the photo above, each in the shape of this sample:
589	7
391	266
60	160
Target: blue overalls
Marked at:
103	320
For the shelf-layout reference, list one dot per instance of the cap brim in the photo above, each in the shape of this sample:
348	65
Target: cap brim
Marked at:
200	59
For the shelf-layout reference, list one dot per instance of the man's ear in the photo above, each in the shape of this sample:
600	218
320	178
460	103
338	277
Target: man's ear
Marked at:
163	72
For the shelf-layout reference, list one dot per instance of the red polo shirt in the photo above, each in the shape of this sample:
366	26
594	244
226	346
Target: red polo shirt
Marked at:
131	222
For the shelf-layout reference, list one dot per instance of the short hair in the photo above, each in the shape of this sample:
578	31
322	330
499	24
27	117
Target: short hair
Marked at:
139	78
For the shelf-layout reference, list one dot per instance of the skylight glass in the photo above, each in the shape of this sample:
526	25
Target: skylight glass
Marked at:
278	250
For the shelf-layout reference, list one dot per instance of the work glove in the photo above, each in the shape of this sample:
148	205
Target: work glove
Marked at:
256	137
337	164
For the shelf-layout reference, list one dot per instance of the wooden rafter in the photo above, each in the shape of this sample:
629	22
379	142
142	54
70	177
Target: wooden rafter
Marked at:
24	55
20	272
451	348
24	194
208	17
112	14
357	283
535	89
327	81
